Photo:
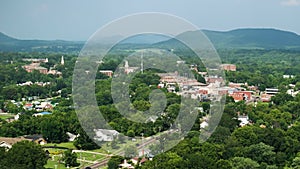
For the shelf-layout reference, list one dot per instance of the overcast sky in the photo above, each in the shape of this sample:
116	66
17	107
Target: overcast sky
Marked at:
78	20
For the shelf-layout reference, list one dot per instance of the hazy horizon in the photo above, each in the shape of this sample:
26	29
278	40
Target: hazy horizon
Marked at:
69	20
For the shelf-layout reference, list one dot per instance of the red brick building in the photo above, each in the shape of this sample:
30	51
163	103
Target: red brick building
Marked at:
228	67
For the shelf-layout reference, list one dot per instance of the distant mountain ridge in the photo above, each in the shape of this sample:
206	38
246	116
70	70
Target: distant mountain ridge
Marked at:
248	38
254	38
10	44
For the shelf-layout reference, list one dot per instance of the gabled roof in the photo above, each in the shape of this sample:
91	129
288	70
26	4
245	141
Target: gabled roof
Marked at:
12	140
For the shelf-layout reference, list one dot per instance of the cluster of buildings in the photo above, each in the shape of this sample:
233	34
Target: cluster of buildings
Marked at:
36	65
29	83
133	162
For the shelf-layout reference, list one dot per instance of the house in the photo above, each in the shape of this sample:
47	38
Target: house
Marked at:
54	72
7	142
288	76
244	120
228	67
214	80
265	98
105	134
135	160
126	165
108	73
235	85
204	124
44	106
71	136
28	106
37	138
241	95
17	116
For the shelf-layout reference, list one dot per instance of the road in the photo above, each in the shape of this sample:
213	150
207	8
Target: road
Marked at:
140	148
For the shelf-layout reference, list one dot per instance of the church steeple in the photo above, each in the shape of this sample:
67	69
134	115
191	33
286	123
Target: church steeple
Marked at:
62	62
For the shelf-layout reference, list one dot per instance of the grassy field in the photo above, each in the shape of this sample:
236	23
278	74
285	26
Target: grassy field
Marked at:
68	145
5	116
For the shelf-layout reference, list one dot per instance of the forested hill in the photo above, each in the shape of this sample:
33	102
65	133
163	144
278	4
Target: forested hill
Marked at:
247	39
9	44
235	39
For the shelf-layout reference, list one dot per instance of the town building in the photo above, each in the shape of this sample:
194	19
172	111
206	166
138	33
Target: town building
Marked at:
241	95
271	91
35	66
108	73
128	69
228	67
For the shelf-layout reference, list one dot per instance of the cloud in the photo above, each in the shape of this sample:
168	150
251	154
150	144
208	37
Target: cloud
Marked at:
290	2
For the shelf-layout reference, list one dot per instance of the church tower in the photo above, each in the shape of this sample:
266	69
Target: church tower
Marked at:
62	62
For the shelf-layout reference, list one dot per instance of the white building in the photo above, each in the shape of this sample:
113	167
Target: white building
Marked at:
105	134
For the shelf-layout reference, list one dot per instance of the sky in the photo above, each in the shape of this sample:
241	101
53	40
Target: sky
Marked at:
78	20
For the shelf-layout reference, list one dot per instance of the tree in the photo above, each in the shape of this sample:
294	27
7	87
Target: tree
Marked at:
84	142
114	162
223	164
206	107
281	98
130	151
244	163
261	153
53	130
2	157
296	163
220	135
70	159
167	160
12	108
26	154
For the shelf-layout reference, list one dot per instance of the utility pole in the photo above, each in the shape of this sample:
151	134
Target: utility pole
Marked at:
143	144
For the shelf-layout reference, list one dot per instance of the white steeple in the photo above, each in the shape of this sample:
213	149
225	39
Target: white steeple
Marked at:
62	62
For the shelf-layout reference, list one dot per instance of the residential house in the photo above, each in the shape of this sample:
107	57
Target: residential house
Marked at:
136	160
7	142
105	134
244	120
37	138
265	98
126	165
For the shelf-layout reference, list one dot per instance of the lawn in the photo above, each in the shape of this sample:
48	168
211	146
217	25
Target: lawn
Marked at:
90	156
101	150
51	164
68	145
6	116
